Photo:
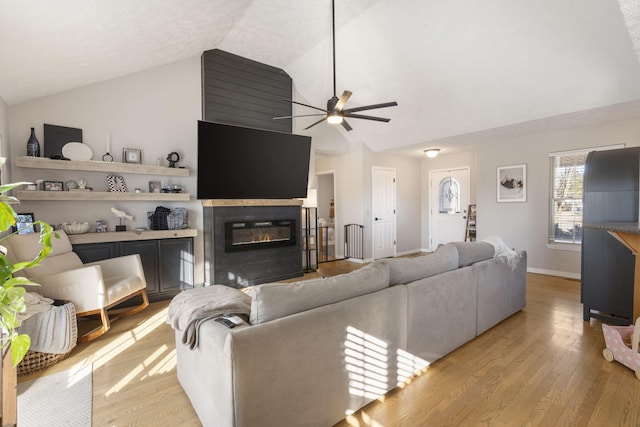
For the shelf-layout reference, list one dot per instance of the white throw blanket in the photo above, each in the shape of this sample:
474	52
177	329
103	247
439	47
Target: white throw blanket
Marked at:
54	331
34	303
189	309
501	249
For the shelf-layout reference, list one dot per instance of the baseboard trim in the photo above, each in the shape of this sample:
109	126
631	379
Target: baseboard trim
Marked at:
564	274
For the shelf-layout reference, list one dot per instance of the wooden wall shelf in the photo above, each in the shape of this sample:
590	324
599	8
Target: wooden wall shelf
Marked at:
123	236
102	195
98	166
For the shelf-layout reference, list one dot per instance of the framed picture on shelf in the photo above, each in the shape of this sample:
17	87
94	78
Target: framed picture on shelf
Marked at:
116	184
155	186
53	185
131	155
512	183
24	223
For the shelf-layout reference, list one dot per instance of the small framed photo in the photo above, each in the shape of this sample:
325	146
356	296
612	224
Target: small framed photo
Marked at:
512	183
53	185
116	184
155	186
24	223
131	155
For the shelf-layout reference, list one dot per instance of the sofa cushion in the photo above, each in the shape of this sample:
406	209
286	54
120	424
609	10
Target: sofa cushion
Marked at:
406	270
274	300
472	252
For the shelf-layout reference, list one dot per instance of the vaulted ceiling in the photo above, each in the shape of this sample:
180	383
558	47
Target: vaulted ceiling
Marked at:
461	70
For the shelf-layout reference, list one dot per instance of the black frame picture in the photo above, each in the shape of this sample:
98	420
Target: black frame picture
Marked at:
53	185
24	223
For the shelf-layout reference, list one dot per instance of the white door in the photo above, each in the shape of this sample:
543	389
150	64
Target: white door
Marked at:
384	212
449	201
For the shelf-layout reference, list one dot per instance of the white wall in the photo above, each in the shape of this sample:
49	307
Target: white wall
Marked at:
154	110
348	178
525	225
353	180
4	137
408	200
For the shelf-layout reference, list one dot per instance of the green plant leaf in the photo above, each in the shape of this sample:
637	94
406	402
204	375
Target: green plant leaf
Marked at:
19	347
7	187
7	216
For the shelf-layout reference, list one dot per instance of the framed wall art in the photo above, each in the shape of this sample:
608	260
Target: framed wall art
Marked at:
131	155
116	184
24	223
53	185
512	183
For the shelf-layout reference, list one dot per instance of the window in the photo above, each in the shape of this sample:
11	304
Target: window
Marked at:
567	172
449	196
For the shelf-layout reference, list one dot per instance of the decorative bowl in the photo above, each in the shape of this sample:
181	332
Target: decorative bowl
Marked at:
74	227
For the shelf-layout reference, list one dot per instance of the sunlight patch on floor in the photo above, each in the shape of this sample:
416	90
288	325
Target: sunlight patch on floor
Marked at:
127	339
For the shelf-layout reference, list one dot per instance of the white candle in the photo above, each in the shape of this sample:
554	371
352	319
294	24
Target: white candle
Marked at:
108	143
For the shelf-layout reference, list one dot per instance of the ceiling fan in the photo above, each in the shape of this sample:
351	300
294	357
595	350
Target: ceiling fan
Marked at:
335	113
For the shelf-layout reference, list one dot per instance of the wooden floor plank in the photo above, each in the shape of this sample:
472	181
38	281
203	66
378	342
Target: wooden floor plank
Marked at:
543	366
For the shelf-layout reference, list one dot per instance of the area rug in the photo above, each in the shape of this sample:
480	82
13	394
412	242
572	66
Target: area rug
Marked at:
62	399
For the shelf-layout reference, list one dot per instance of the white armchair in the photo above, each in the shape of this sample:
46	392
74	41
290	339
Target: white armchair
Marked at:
94	288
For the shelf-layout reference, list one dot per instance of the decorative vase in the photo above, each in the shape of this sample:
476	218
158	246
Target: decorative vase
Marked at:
33	146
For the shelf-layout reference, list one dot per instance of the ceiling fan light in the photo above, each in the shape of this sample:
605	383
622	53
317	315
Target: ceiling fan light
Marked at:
334	118
432	152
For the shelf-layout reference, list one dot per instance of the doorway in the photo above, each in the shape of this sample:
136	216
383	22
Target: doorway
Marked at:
326	216
384	212
449	195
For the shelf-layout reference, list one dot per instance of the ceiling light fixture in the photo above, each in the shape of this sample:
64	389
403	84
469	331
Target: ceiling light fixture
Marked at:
334	118
432	152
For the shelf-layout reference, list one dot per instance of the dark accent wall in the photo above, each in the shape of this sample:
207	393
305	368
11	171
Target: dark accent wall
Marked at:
239	91
241	269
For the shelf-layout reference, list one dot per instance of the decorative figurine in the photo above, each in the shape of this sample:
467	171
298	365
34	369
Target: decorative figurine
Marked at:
173	158
121	215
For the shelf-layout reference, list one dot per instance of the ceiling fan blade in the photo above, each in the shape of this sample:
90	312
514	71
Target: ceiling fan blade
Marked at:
360	116
371	107
313	124
346	125
306	105
342	100
301	115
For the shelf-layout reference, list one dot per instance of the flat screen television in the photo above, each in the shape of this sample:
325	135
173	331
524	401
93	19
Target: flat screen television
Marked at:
237	162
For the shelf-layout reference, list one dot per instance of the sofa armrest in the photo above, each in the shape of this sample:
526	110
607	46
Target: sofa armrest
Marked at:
124	266
83	286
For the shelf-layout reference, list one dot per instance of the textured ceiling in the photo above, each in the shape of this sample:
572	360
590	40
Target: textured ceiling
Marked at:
456	68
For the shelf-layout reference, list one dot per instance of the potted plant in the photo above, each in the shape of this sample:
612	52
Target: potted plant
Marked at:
11	290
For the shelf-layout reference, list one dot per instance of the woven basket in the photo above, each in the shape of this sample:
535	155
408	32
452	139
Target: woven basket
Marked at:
35	361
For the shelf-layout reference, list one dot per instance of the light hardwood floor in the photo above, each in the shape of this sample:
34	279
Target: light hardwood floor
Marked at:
543	366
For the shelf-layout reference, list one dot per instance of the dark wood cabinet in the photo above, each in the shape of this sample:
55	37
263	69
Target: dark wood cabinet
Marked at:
610	194
168	263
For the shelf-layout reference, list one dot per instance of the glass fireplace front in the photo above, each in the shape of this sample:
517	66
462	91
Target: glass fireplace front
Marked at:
254	235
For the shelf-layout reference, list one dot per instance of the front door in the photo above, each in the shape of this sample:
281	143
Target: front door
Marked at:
449	201
384	212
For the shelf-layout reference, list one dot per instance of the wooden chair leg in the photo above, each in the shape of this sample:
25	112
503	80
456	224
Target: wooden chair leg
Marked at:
100	330
139	308
107	320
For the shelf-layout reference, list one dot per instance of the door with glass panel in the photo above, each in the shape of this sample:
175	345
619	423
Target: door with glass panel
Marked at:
448	203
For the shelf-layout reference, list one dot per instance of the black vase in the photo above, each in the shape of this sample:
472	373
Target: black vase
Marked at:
33	146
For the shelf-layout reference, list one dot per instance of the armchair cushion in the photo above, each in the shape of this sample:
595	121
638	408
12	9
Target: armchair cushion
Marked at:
26	247
121	287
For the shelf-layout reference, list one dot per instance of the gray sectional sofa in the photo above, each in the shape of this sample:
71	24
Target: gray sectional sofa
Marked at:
314	351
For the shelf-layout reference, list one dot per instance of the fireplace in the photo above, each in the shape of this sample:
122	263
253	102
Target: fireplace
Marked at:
251	242
261	234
